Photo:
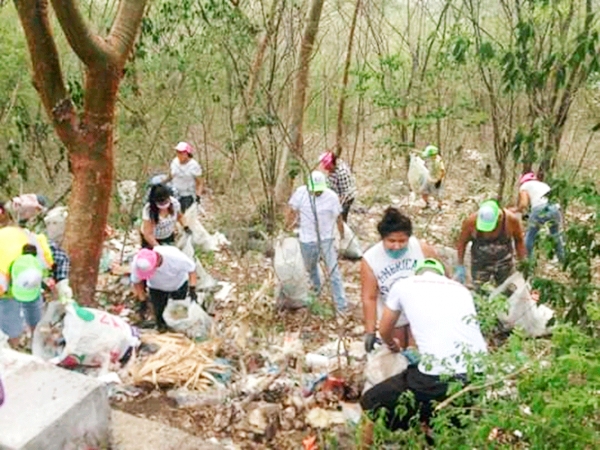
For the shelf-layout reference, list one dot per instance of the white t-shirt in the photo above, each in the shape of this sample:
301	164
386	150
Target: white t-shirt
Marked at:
388	270
326	207
184	176
441	314
537	191
166	225
172	273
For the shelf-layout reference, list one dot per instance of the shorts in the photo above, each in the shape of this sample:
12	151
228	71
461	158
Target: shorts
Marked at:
434	189
11	320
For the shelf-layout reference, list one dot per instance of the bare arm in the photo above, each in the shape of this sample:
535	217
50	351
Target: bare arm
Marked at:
340	225
181	219
140	291
291	217
369	294
199	185
148	232
386	327
517	233
192	278
523	202
464	238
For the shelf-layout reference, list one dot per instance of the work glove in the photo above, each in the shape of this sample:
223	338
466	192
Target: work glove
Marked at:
199	200
460	274
142	308
370	340
193	294
438	184
187	230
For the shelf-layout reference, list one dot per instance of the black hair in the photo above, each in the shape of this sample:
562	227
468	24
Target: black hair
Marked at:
158	193
29	249
392	221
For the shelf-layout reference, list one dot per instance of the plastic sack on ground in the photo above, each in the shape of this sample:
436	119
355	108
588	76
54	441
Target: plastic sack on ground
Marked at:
188	317
383	364
350	246
200	236
88	337
418	174
205	281
290	271
523	311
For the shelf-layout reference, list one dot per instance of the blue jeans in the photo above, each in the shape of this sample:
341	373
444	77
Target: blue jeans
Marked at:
311	255
11	322
540	216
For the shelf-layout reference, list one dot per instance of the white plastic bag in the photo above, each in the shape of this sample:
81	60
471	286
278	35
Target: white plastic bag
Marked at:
523	311
383	364
188	317
91	337
350	246
205	281
418	174
289	268
200	237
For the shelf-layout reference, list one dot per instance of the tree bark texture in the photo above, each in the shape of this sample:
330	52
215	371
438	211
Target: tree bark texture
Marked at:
88	135
284	183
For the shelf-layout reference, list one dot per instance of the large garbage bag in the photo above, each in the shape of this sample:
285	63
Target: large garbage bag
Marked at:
383	364
201	238
290	271
71	335
205	282
523	311
349	247
418	174
188	317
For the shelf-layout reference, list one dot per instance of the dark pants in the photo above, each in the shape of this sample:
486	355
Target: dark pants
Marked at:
385	395
166	241
496	273
186	202
346	209
159	301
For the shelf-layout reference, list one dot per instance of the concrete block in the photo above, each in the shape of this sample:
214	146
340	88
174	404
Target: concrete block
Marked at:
50	408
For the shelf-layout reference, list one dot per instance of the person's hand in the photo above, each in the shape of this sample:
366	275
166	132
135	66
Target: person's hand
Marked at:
50	283
199	200
193	294
393	345
187	230
370	340
460	274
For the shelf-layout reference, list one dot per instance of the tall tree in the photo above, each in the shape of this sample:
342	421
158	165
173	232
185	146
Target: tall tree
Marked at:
87	134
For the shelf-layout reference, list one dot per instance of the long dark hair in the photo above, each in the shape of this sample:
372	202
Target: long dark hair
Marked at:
393	220
158	193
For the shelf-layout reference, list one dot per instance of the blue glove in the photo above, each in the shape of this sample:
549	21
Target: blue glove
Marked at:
460	274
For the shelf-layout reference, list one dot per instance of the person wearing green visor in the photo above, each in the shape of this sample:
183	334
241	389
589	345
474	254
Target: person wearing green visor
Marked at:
318	211
496	234
437	172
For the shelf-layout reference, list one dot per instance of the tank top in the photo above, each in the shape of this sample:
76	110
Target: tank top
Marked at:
492	251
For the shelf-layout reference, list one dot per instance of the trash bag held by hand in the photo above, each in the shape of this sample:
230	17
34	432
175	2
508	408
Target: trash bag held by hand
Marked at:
350	246
289	268
418	174
383	364
188	317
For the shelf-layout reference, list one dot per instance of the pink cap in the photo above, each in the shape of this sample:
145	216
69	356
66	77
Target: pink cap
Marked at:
144	263
527	177
184	147
326	159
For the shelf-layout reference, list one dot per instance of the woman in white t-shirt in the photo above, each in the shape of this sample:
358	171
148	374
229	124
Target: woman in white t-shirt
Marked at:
391	259
159	217
186	176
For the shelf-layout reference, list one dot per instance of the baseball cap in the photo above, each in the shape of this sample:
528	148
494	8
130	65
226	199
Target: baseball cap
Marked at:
432	264
184	147
26	278
327	160
144	264
487	216
317	182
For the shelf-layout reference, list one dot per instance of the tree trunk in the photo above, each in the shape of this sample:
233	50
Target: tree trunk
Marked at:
284	182
340	115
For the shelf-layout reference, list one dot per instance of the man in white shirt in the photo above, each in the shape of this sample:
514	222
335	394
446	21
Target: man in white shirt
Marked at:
186	176
318	210
168	273
441	315
533	193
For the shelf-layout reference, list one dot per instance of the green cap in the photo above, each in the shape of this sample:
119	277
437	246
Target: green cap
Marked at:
487	216
432	264
317	182
430	150
26	276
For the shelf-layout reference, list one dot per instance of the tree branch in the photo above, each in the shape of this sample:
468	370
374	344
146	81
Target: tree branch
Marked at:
47	73
88	47
125	27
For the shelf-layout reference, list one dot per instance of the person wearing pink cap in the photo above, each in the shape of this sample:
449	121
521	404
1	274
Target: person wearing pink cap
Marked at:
340	180
186	176
168	273
534	194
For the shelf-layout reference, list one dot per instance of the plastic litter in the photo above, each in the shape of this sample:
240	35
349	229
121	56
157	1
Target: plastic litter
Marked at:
205	282
200	237
349	247
184	398
383	364
324	418
418	174
289	268
523	310
188	317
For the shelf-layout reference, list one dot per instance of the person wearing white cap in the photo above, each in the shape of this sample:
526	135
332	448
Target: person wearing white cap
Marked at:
317	209
168	272
186	176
